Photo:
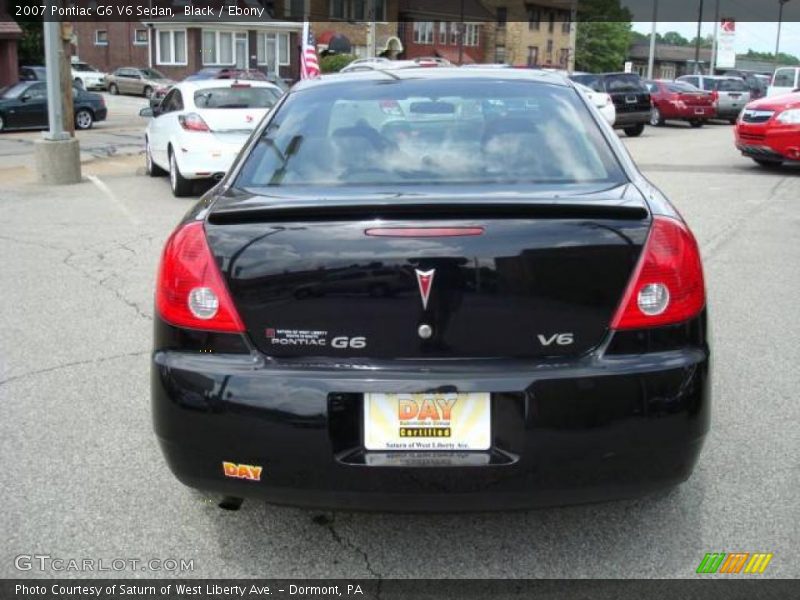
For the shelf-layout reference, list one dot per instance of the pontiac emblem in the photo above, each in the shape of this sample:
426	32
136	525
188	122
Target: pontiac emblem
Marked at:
425	281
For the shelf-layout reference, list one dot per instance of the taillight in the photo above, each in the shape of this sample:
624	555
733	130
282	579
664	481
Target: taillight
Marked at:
193	122
190	291
714	97
667	285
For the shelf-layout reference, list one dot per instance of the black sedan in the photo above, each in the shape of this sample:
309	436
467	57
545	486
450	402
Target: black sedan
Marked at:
24	106
550	349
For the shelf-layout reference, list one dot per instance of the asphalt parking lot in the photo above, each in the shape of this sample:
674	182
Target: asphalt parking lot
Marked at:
82	476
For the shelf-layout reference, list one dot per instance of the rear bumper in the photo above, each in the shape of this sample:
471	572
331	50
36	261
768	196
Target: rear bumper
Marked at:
205	156
689	113
100	114
595	429
630	119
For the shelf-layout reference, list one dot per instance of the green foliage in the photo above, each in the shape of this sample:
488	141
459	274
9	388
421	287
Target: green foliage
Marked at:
602	46
603	35
31	46
333	63
783	57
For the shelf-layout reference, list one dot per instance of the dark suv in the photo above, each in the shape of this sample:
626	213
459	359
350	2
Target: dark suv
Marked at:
629	94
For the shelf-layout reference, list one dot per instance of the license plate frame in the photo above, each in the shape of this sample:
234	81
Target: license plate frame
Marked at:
427	422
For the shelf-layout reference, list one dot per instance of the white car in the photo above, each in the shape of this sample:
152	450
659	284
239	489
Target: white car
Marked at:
86	77
199	128
785	81
601	101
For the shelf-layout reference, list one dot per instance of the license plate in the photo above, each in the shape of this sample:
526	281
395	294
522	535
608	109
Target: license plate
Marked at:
631	99
427	422
699	111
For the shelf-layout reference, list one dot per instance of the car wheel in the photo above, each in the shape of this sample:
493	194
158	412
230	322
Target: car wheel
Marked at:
153	170
634	131
2	123
84	119
656	120
768	164
179	184
148	92
79	82
733	120
113	89
696	123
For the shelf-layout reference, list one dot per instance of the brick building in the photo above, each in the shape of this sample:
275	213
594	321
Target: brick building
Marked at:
539	33
10	33
449	29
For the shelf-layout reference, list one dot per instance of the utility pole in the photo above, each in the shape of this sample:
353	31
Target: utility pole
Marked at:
652	59
778	40
65	63
714	43
697	40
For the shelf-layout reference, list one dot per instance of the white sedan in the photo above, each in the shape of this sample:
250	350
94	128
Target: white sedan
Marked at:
601	101
199	128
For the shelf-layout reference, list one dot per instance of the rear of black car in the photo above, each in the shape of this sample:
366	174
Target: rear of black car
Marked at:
410	330
630	96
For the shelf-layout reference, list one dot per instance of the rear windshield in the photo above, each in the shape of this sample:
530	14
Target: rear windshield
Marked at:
731	85
680	86
590	81
236	97
623	83
429	132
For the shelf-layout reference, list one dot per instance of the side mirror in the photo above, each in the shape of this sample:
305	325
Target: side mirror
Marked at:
147	112
25	97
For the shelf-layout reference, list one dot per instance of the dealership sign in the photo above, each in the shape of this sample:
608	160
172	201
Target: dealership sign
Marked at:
726	45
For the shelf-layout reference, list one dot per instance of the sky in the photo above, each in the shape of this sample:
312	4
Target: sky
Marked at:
758	36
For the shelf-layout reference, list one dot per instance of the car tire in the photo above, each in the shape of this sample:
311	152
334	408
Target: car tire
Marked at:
179	184
152	169
2	122
113	89
656	120
767	163
84	119
148	92
634	130
696	123
733	120
79	82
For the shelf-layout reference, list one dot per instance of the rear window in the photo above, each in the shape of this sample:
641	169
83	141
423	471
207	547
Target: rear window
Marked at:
429	132
680	86
590	81
731	85
236	97
623	83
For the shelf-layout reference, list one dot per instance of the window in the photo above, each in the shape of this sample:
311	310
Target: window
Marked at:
242	97
140	37
534	17
549	51
37	91
784	78
551	25
533	56
358	10
471	34
218	47
272	50
100	37
479	132
423	32
502	17
563	57
566	26
454	30
500	54
172	101
443	32
171	47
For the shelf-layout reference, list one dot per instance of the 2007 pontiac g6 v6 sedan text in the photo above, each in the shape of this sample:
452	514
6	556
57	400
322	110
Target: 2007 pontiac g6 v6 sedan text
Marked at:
432	289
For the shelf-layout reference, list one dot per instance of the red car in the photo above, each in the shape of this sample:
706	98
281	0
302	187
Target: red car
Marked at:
680	101
768	130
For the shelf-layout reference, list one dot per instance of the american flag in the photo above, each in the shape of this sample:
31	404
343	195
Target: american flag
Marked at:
309	65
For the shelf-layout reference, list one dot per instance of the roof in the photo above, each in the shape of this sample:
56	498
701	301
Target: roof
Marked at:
443	73
203	84
8	28
669	53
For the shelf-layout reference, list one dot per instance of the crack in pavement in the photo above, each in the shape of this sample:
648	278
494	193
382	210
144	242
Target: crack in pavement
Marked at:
72	364
330	524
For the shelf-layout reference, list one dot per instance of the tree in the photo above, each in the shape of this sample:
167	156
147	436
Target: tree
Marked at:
673	38
31	45
603	35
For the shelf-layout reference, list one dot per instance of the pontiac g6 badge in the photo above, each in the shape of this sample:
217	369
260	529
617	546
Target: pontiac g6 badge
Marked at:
425	281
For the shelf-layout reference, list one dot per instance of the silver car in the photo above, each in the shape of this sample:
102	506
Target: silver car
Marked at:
731	93
142	82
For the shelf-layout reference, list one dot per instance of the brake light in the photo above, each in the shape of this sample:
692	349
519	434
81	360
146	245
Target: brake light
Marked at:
714	97
423	231
190	291
193	122
667	285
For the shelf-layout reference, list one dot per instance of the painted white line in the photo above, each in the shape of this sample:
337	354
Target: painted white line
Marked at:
111	196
